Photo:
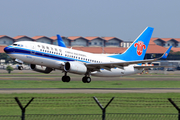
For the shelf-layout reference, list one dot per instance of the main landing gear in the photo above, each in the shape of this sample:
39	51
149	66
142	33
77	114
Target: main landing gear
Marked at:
66	78
85	79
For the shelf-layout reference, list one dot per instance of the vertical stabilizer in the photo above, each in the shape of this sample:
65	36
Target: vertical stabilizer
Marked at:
138	48
60	41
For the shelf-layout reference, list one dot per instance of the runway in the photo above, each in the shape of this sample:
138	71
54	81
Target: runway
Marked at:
89	90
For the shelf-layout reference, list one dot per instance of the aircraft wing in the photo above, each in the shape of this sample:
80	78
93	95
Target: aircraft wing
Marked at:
121	65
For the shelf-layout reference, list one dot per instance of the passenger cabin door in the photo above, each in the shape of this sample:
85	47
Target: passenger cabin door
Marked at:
30	57
33	49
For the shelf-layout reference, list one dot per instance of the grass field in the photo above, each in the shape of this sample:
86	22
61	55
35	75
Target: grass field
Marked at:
93	84
39	80
84	103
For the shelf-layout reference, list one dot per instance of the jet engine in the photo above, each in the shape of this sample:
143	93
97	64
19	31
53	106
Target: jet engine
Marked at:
41	69
75	67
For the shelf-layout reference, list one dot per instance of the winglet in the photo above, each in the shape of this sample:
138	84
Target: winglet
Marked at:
60	41
164	56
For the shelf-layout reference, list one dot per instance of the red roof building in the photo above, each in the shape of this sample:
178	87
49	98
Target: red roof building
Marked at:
23	38
2	48
95	44
43	39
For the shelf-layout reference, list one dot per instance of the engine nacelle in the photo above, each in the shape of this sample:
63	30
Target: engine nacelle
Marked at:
41	69
75	67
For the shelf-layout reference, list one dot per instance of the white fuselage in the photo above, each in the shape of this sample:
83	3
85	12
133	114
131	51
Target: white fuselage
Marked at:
55	56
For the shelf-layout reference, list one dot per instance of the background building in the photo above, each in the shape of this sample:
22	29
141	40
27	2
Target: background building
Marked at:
106	45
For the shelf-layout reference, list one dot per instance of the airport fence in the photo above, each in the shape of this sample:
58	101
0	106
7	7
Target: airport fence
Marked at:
49	103
109	116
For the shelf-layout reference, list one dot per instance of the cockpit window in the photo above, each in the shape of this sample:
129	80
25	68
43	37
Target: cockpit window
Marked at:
15	44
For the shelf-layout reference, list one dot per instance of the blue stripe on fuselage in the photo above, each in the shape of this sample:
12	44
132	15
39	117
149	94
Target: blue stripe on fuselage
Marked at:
17	50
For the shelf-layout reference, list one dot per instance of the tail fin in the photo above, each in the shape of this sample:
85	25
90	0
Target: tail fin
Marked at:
138	48
60	41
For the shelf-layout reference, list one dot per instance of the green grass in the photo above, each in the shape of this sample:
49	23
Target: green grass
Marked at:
93	84
72	103
84	103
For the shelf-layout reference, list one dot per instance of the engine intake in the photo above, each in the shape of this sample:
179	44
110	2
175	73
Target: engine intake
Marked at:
75	67
41	69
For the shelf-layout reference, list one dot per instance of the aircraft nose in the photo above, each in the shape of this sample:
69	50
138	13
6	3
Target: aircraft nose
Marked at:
7	49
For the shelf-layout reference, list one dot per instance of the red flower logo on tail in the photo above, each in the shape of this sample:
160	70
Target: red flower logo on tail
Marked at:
140	45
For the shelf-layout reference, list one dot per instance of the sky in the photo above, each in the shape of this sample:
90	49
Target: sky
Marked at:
124	19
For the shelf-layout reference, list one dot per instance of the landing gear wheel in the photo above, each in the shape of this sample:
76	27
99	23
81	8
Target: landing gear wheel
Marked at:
66	78
20	67
86	79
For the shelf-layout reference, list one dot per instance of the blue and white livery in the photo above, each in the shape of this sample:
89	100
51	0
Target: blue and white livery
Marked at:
45	58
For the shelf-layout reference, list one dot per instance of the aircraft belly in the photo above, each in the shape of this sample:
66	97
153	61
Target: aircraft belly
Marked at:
12	55
117	72
24	58
28	58
48	62
106	73
38	60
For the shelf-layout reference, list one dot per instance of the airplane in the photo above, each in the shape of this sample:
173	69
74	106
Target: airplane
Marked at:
45	58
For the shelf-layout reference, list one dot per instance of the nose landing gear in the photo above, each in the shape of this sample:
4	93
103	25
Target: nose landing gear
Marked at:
20	67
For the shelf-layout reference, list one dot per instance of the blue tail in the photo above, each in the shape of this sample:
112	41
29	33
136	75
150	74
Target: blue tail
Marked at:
164	56
138	48
60	41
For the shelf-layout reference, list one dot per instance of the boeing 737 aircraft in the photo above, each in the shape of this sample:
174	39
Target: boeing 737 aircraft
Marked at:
45	58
